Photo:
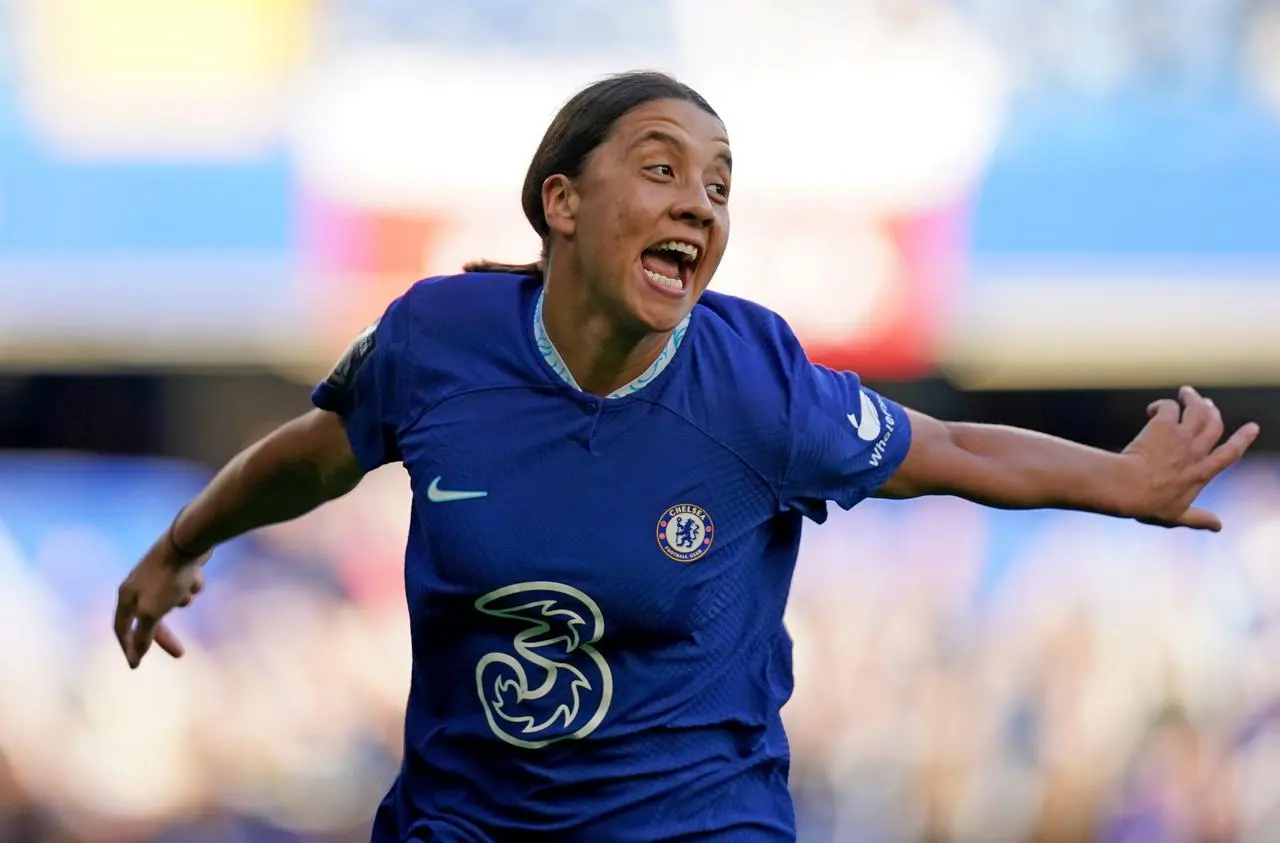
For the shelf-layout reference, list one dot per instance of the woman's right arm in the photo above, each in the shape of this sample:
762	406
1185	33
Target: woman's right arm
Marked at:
291	471
313	459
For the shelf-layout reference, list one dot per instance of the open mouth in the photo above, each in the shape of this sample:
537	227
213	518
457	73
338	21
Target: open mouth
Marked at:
670	264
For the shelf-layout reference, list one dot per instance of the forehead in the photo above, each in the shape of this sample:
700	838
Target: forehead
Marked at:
684	121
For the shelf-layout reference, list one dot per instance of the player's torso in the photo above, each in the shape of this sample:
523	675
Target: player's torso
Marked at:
580	544
595	588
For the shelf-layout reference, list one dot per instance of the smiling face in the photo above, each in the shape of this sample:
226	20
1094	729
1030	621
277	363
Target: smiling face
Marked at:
647	221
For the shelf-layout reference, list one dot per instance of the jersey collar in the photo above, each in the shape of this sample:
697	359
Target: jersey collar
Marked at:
557	364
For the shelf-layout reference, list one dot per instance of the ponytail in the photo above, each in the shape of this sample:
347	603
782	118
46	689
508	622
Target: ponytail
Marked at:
507	268
537	269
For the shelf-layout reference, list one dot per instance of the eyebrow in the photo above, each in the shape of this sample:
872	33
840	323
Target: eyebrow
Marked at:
664	137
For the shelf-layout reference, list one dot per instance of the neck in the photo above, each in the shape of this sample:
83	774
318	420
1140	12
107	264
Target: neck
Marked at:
602	353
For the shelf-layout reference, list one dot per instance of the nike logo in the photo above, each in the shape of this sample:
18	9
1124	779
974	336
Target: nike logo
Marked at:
437	495
869	428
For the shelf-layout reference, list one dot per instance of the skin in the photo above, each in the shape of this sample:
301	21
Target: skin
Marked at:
662	174
1155	479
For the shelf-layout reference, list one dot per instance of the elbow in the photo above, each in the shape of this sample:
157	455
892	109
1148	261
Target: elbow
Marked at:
952	458
311	453
339	478
933	457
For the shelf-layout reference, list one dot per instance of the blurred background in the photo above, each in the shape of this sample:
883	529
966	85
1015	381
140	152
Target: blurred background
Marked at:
1036	212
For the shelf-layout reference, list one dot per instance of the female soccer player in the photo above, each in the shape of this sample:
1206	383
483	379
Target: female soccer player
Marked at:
610	469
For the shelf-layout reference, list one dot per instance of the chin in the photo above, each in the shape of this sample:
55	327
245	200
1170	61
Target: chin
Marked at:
658	314
658	320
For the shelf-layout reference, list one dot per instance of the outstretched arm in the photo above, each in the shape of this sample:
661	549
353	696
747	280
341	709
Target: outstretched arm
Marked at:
315	458
1155	479
295	468
291	471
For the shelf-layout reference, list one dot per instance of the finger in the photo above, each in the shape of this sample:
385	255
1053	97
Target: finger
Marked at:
1200	519
197	585
1196	412
169	642
1212	430
143	634
123	623
1229	453
1165	409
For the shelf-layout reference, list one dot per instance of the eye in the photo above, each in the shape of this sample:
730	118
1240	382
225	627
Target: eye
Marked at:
665	170
719	189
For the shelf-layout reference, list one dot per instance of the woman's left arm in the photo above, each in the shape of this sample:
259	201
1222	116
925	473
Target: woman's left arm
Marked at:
1155	479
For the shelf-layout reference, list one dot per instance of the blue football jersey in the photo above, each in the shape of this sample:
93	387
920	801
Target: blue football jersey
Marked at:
596	585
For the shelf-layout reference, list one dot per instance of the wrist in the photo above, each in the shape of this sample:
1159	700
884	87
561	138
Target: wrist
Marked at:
183	551
1132	485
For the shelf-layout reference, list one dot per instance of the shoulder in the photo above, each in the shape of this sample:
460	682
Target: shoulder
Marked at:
457	316
460	301
749	340
748	321
457	332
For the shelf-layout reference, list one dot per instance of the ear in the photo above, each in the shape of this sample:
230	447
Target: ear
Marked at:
560	204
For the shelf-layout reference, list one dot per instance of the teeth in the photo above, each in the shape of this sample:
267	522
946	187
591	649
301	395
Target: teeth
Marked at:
686	249
664	281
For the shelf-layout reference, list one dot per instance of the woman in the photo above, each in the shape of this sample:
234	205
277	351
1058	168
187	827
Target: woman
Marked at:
610	470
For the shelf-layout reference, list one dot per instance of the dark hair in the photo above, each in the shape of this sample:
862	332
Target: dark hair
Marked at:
582	124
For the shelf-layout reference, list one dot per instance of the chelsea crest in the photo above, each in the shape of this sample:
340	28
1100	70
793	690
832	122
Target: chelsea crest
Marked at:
685	532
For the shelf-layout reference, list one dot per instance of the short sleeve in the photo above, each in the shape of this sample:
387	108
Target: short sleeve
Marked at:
845	440
365	389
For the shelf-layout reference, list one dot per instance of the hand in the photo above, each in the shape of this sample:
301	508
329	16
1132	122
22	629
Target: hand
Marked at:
162	581
1177	454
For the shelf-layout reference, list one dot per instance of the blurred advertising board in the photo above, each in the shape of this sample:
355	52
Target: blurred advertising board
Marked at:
863	252
1126	243
250	183
145	197
267	230
150	79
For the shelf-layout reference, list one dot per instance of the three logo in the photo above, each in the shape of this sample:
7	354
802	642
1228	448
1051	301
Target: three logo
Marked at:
551	684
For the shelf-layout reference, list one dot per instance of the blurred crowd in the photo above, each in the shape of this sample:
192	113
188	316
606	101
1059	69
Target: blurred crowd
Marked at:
1004	677
962	675
1096	48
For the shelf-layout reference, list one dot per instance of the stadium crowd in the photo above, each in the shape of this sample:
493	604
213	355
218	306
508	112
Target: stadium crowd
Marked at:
962	675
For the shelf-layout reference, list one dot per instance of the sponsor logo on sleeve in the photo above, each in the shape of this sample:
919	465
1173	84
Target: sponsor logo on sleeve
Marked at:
344	373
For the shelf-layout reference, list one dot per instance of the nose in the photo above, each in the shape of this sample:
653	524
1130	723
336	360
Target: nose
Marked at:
694	207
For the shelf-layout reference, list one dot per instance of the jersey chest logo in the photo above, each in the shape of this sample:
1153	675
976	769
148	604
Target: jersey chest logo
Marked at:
552	684
685	532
